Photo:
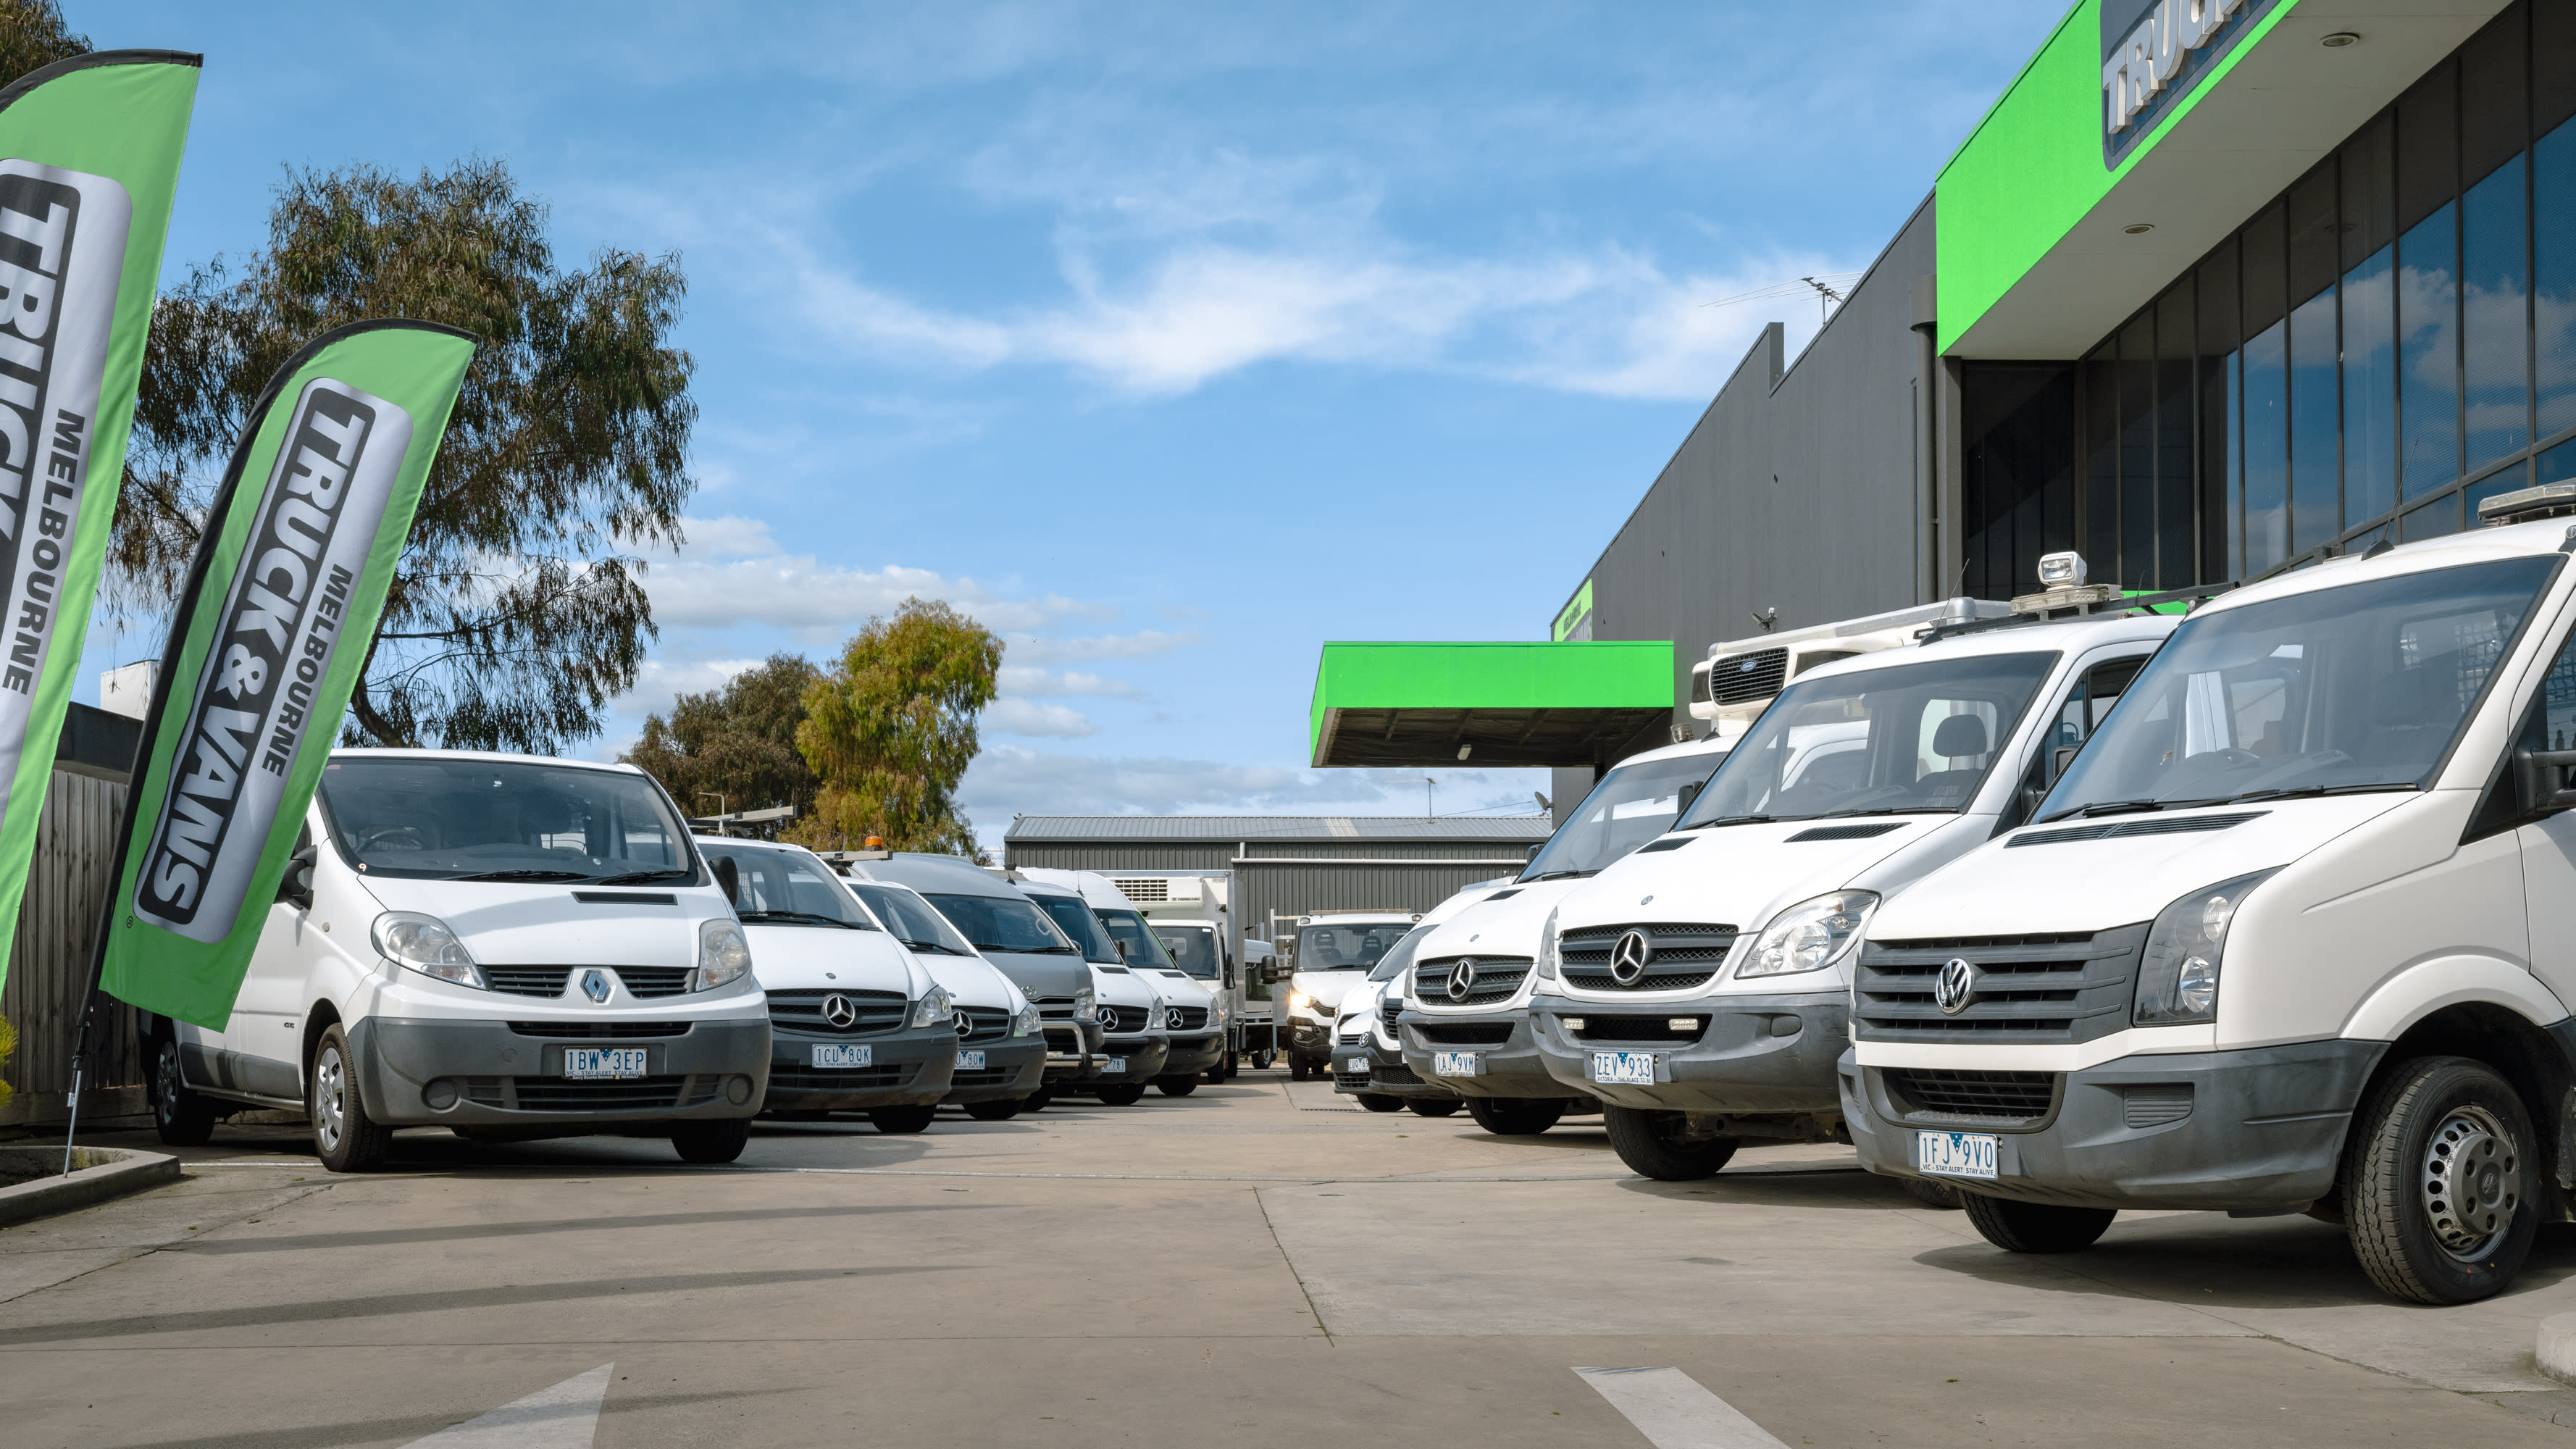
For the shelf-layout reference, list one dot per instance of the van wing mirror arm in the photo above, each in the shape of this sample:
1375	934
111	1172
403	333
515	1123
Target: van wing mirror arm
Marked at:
2544	779
295	887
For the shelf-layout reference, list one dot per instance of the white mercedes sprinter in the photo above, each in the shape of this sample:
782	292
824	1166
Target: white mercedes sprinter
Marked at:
1001	1049
1194	1012
507	946
1134	1041
2295	933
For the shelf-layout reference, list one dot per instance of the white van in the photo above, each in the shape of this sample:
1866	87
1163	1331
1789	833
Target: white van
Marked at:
1001	1047
1194	1011
1334	952
507	946
1134	1043
2295	933
854	1024
1465	1021
1699	987
1368	1046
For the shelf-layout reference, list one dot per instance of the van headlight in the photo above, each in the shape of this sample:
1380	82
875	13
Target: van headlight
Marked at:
424	944
1300	1001
1547	949
723	954
1811	935
934	1007
2178	976
1024	1022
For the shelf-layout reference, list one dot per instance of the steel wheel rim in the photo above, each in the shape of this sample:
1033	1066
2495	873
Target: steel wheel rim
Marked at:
2470	1183
171	1084
330	1104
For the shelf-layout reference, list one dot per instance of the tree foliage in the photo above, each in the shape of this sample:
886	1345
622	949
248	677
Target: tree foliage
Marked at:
33	35
891	729
738	742
516	612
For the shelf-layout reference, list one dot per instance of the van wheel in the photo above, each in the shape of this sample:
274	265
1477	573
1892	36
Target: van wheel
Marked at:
1379	1101
1262	1059
1222	1070
1002	1111
344	1136
1126	1096
1432	1106
711	1141
183	1118
2035	1227
1039	1100
1932	1194
1515	1116
1176	1086
1657	1145
901	1121
2438	1196
1297	1071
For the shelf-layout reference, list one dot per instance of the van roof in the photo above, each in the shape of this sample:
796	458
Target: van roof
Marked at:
364	752
2065	635
2478	545
954	874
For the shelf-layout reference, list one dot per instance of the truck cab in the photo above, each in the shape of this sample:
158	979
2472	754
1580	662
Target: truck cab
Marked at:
1333	953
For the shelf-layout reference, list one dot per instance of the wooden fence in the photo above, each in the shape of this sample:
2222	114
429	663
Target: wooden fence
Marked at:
49	961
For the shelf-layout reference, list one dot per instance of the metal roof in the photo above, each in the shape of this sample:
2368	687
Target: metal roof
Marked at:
1521	828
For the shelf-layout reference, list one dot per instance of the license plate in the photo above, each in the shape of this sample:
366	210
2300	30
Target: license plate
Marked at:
1454	1064
1356	1064
970	1061
603	1061
1955	1154
1113	1066
833	1054
1627	1069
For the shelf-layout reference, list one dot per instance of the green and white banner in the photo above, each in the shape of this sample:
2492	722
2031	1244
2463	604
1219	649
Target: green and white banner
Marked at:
265	651
89	156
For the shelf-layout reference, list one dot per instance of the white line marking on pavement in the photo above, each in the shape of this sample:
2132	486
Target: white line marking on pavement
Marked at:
563	1417
1674	1412
1733	1175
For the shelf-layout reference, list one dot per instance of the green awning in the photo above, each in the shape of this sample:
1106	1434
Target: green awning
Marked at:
1508	705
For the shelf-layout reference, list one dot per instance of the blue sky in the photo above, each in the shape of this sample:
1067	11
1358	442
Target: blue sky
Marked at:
1170	341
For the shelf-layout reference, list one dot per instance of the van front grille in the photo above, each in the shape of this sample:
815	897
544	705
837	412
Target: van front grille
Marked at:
545	981
1680	955
805	1012
600	1030
1465	1033
1981	1096
1489	979
654	980
2051	987
985	1023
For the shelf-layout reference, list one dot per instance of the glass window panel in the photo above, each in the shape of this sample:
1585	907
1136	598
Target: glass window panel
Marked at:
2428	353
2369	166
2216	286
2495	317
2137	557
2176	562
2314	249
2428	146
2492	116
2235	465
2553	67
2217	429
2553	218
2558	465
2370	389
2267	277
2267	448
2433	520
2503	480
2102	462
2316	464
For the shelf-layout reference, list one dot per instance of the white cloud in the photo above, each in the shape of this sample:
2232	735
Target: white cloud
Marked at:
1009	716
1010	779
1030	649
1032	683
731	572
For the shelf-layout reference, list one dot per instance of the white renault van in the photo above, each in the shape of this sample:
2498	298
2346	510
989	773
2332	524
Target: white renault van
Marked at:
1194	1014
854	1024
1699	986
1001	1049
508	946
2295	933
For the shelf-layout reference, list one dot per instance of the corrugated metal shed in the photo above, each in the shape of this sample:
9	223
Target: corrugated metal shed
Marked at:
1524	828
49	960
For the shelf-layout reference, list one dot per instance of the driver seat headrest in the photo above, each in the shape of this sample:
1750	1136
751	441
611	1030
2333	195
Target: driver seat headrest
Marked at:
1960	735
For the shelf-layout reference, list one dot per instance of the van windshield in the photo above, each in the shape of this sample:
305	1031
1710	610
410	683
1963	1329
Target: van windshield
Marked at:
2329	691
502	820
1399	957
1128	929
1632	805
909	919
1003	923
1192	949
1072	915
787	888
1347	948
1900	739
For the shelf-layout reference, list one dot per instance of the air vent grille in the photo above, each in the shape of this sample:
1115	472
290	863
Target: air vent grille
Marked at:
1743	678
1848	832
2177	825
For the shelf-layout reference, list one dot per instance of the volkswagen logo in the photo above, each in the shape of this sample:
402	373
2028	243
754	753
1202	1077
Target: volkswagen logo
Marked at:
838	1013
1955	987
1629	955
1462	978
594	984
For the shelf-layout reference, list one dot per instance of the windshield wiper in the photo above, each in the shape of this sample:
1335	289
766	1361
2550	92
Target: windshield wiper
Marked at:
1027	950
1560	875
535	875
2294	792
942	947
2130	807
644	877
1731	820
797	916
1889	810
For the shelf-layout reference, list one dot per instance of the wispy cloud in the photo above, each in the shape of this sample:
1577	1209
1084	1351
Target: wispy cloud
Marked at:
1033	650
733	572
1034	683
1010	716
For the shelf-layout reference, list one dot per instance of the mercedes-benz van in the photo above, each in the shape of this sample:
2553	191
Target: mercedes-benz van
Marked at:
2295	933
1001	1048
503	945
1194	1014
1134	1039
1368	1046
854	1024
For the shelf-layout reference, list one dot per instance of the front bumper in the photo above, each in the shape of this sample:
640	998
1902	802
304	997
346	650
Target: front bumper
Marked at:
1387	1075
1755	1054
1072	1049
908	1068
1014	1066
1312	1040
1191	1055
2260	1129
1511	1067
500	1078
1144	1058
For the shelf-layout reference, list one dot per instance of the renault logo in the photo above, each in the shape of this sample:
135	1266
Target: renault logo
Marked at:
1462	978
838	1013
1955	987
1629	955
594	984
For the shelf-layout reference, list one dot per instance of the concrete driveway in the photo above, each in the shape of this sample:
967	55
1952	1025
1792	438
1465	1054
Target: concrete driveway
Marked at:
1258	1260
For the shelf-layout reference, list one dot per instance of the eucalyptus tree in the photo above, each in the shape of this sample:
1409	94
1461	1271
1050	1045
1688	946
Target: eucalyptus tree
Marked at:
738	742
890	729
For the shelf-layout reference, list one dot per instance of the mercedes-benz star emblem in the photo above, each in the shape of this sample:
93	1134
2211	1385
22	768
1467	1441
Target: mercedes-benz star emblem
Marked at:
1629	955
1462	978
594	984
1955	987
965	1024
838	1013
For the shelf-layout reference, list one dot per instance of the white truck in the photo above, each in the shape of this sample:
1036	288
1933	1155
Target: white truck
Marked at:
1333	954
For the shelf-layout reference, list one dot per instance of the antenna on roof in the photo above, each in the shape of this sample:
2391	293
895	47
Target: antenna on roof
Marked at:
1828	287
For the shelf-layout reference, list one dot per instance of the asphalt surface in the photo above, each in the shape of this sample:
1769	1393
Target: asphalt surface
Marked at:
1259	1259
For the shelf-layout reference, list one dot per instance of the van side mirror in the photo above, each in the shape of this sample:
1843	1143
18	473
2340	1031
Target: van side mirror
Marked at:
295	887
1532	852
1122	947
729	879
2544	779
1689	794
1272	974
2058	760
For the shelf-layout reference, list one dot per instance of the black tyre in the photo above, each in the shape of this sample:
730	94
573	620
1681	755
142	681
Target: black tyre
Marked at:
1176	1086
2439	1193
1122	1096
1226	1067
1262	1059
1297	1069
1380	1101
711	1141
1002	1111
901	1121
183	1118
344	1136
1932	1194
1433	1106
2033	1227
1657	1144
1515	1116
1039	1100
803	1114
